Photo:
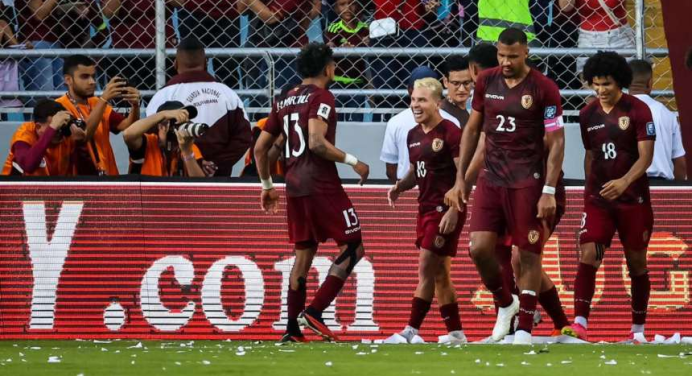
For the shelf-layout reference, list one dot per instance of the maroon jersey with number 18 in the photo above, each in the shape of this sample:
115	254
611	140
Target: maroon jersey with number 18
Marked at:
432	155
612	139
306	173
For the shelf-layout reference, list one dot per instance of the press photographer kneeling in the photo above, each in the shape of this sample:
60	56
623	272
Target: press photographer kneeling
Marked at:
163	144
53	144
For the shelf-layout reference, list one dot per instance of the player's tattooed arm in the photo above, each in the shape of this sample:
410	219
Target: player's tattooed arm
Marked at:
614	188
320	146
277	148
263	147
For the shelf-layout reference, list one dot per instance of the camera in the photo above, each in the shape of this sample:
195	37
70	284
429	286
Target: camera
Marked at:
193	129
67	132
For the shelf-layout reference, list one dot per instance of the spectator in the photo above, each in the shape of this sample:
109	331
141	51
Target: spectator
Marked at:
481	57
279	23
78	18
602	25
669	154
216	24
134	26
39	23
9	69
159	153
494	16
351	72
97	115
458	82
394	148
43	148
229	136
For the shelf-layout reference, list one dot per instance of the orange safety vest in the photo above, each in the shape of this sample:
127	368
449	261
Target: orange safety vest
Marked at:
106	157
154	162
56	161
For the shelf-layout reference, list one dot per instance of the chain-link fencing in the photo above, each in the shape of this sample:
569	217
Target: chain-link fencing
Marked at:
251	44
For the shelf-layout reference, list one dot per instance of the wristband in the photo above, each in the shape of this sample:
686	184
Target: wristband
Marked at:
549	190
188	157
350	160
267	184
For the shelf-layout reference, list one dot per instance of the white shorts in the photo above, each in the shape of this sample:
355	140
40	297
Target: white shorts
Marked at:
622	37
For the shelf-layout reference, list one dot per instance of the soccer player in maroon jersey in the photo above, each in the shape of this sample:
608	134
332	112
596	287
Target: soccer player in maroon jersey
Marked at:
618	134
482	57
304	122
433	147
516	106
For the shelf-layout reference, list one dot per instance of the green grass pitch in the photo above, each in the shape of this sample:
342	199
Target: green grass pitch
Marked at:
150	358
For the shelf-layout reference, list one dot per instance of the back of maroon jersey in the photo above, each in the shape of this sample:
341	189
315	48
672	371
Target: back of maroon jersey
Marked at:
306	173
515	121
612	139
432	155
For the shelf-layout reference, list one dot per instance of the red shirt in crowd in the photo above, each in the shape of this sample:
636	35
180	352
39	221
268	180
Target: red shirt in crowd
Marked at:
134	25
595	18
33	29
409	15
214	8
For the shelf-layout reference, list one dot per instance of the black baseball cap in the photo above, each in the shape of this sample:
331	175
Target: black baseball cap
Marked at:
176	105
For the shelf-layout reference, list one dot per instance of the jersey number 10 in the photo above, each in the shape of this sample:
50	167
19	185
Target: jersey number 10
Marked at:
298	130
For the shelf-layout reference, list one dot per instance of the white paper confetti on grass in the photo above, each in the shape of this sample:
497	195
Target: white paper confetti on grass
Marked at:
478	361
566	362
611	362
418	353
500	365
137	346
329	364
178	363
54	359
287	351
206	362
34	348
549	364
525	363
240	353
361	353
355	347
132	362
530	353
671	356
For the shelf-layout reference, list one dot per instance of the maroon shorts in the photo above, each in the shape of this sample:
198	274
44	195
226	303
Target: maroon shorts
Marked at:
428	234
633	222
314	219
509	211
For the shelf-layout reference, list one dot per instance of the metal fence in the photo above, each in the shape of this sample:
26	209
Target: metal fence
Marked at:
251	44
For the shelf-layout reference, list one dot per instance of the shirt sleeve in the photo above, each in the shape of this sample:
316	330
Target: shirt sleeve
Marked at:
453	140
552	107
390	149
273	126
322	106
114	120
644	123
478	101
583	124
678	149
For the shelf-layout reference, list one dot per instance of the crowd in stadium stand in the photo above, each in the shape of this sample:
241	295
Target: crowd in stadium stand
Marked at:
122	24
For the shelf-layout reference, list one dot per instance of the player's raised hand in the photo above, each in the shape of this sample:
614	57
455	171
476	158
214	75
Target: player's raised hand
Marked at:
393	195
269	201
546	206
363	170
613	189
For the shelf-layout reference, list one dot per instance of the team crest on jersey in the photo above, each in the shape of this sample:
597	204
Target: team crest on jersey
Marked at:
533	236
624	122
526	101
439	241
437	144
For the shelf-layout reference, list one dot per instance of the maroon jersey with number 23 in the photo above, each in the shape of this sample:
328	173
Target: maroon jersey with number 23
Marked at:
306	173
432	155
515	121
612	139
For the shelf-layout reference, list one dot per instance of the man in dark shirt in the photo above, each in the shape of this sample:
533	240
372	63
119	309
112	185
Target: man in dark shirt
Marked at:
318	208
618	134
458	82
516	106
